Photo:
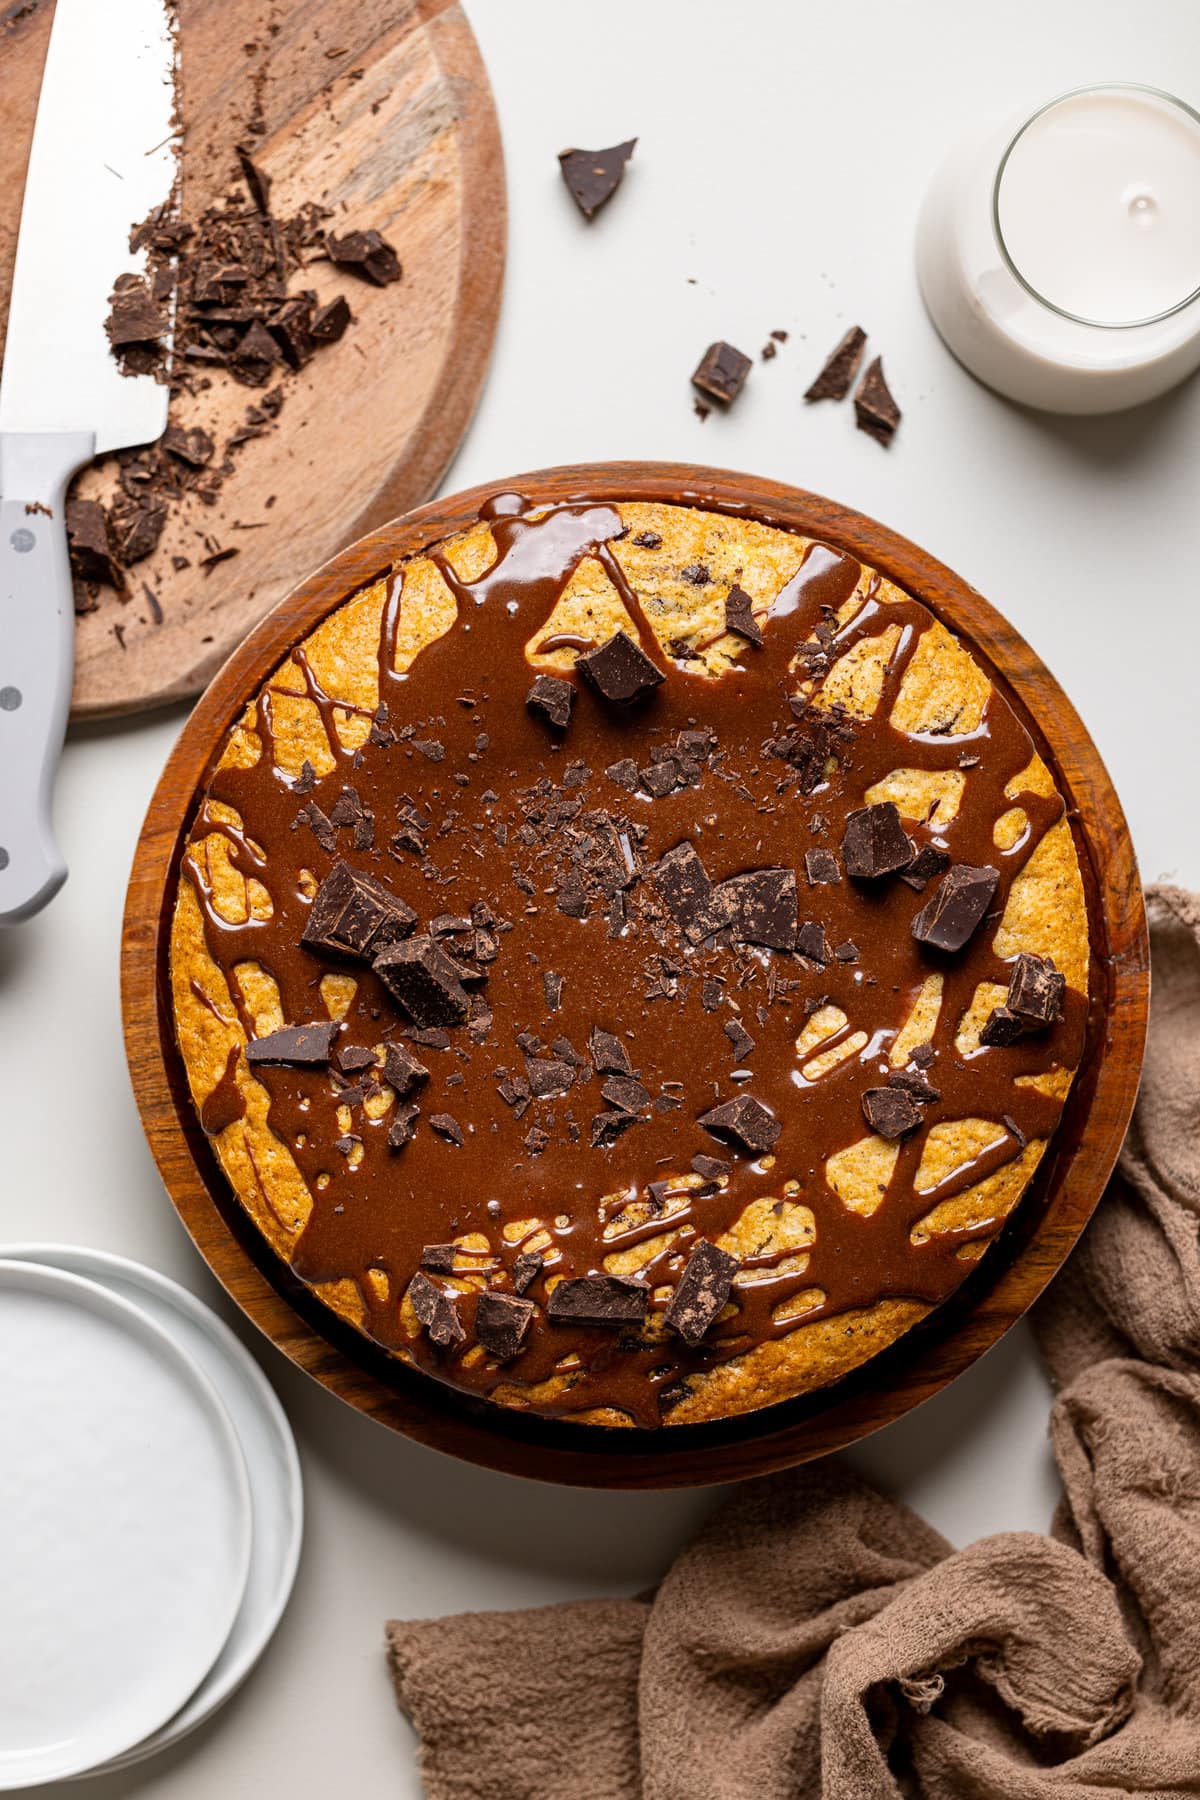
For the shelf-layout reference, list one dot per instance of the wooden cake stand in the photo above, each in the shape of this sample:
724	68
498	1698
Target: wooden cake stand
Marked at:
1031	1248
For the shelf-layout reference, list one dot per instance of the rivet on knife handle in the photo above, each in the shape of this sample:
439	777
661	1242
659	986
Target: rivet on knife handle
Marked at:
37	658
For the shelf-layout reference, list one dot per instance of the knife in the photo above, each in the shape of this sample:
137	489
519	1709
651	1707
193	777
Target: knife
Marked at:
103	156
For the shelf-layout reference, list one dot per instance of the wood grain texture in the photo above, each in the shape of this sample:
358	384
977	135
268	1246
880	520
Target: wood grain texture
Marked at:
380	110
1029	1251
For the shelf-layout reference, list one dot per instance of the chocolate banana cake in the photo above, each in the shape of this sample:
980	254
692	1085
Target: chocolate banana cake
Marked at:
629	961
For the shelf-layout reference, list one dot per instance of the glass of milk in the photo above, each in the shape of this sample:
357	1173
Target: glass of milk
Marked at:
1059	254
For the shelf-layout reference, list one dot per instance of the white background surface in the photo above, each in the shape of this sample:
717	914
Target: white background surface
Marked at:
784	148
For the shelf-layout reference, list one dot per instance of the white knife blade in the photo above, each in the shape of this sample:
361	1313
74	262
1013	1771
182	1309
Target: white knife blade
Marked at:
103	157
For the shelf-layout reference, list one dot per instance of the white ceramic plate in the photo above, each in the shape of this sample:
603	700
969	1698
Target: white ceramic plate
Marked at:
276	1493
124	1525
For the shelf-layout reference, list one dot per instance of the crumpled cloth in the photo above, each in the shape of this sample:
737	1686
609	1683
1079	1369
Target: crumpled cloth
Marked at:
819	1639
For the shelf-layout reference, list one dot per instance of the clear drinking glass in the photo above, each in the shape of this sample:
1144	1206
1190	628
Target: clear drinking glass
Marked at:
1059	253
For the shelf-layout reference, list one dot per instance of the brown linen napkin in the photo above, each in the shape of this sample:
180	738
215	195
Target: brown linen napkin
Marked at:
818	1639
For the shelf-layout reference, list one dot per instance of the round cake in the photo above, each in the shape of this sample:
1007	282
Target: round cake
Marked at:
629	961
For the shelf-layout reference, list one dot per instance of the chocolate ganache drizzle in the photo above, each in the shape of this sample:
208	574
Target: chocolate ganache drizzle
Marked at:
533	867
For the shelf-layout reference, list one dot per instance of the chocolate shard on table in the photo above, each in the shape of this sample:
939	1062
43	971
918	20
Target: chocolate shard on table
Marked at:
294	1046
1001	1028
702	1292
364	253
593	176
599	1300
821	868
502	1323
1036	988
134	318
875	843
959	903
194	446
437	1311
745	1120
875	409
739	616
890	1111
841	366
92	555
256	178
526	1269
419	978
329	322
619	670
354	915
764	907
721	373
928	862
551	699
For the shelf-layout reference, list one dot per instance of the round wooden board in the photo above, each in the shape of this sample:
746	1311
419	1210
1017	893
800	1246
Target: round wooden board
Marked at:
1032	1247
382	111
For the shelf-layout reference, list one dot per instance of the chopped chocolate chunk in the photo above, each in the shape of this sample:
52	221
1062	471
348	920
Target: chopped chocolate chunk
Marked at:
1036	989
624	773
746	1120
526	1269
847	952
366	254
890	1111
739	616
139	537
821	867
593	176
548	1075
958	905
648	540
626	1093
696	575
403	1126
552	699
841	366
448	1127
923	1055
684	887
608	1126
257	180
1001	1028
355	1058
536	1140
599	1300
914	1083
608	1053
401	1071
330	321
354	915
875	409
501	1323
702	1292
418	976
430	748
875	842
194	447
620	670
294	1047
721	372
552	987
291	328
928	862
134	318
439	1258
764	907
711	1167
743	1044
92	556
661	778
711	994
436	1310
812	943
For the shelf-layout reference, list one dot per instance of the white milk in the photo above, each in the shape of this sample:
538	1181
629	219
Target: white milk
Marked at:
1059	256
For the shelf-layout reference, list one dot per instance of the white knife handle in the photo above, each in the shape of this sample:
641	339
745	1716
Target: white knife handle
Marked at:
37	658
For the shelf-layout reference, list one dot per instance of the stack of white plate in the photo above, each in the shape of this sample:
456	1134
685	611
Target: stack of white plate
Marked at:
150	1512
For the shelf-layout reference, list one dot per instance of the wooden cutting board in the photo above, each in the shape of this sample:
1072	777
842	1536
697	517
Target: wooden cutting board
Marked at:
382	111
